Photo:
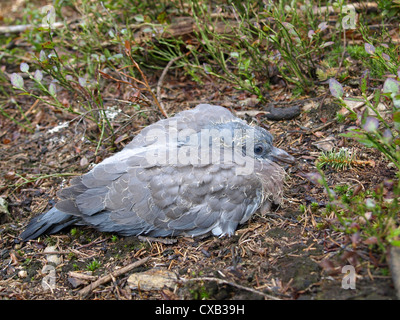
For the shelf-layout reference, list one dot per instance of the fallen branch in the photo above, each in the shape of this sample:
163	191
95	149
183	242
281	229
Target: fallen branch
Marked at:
272	113
81	276
278	114
115	274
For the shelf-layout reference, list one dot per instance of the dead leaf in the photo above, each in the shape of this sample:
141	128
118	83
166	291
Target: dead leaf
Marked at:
326	144
10	175
6	141
318	134
14	259
371	240
76	282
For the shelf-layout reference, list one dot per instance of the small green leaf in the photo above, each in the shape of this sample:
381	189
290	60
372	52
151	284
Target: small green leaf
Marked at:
370	203
42	56
371	124
83	82
24	67
385	56
288	25
139	18
396	116
368	143
38	75
52	89
387	136
322	26
207	68
369	48
17	81
391	86
336	88
395	243
116	57
326	44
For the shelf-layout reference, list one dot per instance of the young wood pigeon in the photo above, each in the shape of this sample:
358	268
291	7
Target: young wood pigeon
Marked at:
202	171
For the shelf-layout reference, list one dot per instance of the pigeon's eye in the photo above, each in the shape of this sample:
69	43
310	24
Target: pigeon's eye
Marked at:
259	149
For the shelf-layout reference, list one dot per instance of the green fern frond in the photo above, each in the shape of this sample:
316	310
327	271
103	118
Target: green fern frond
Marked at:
340	160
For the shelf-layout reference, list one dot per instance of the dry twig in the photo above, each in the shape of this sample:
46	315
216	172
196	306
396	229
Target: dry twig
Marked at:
81	276
107	278
163	74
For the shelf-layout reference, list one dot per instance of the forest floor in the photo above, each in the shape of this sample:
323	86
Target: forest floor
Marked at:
292	252
282	254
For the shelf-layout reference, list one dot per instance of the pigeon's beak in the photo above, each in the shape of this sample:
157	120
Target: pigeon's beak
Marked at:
279	155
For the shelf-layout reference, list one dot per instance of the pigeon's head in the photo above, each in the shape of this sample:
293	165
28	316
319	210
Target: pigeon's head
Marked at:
255	142
263	147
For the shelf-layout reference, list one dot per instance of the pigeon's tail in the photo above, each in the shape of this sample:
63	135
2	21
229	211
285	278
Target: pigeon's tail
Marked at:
48	223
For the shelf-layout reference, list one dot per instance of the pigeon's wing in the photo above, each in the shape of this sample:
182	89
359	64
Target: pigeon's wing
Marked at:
119	186
195	200
131	197
190	200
